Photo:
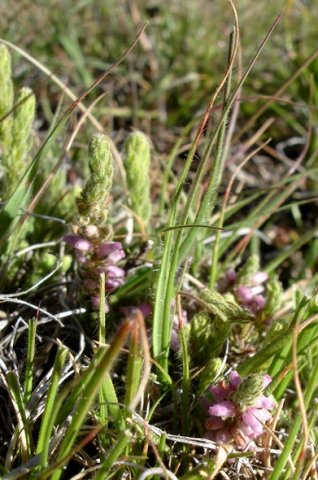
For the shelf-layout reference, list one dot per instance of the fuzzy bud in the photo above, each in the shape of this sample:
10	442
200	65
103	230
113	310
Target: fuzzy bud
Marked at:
226	309
137	164
6	99
273	298
248	390
92	203
207	336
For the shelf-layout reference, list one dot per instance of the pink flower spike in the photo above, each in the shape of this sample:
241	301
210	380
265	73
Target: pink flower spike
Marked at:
224	409
244	429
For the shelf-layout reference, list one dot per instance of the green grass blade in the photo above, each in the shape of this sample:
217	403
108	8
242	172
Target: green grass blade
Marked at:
92	388
113	455
290	442
28	382
47	423
16	395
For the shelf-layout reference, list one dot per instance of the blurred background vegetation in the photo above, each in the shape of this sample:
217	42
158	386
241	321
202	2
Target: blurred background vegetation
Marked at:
180	59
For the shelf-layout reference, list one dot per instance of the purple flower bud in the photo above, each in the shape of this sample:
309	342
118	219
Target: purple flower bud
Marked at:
81	258
254	418
259	278
145	309
91	231
264	402
214	423
231	276
257	304
244	295
115	272
113	283
223	436
96	302
113	250
234	379
174	341
79	243
115	277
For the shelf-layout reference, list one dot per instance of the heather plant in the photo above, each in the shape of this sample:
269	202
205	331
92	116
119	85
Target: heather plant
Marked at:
91	239
238	410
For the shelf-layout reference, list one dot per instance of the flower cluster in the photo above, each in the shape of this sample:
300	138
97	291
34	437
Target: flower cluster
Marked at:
250	295
91	236
238	410
94	258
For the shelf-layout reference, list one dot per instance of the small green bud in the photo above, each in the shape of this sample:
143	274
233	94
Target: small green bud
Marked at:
224	308
92	202
249	390
137	164
277	327
247	271
274	294
100	159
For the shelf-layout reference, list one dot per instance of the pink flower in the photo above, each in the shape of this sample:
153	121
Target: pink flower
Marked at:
239	410
95	257
79	243
244	295
249	295
113	250
259	278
